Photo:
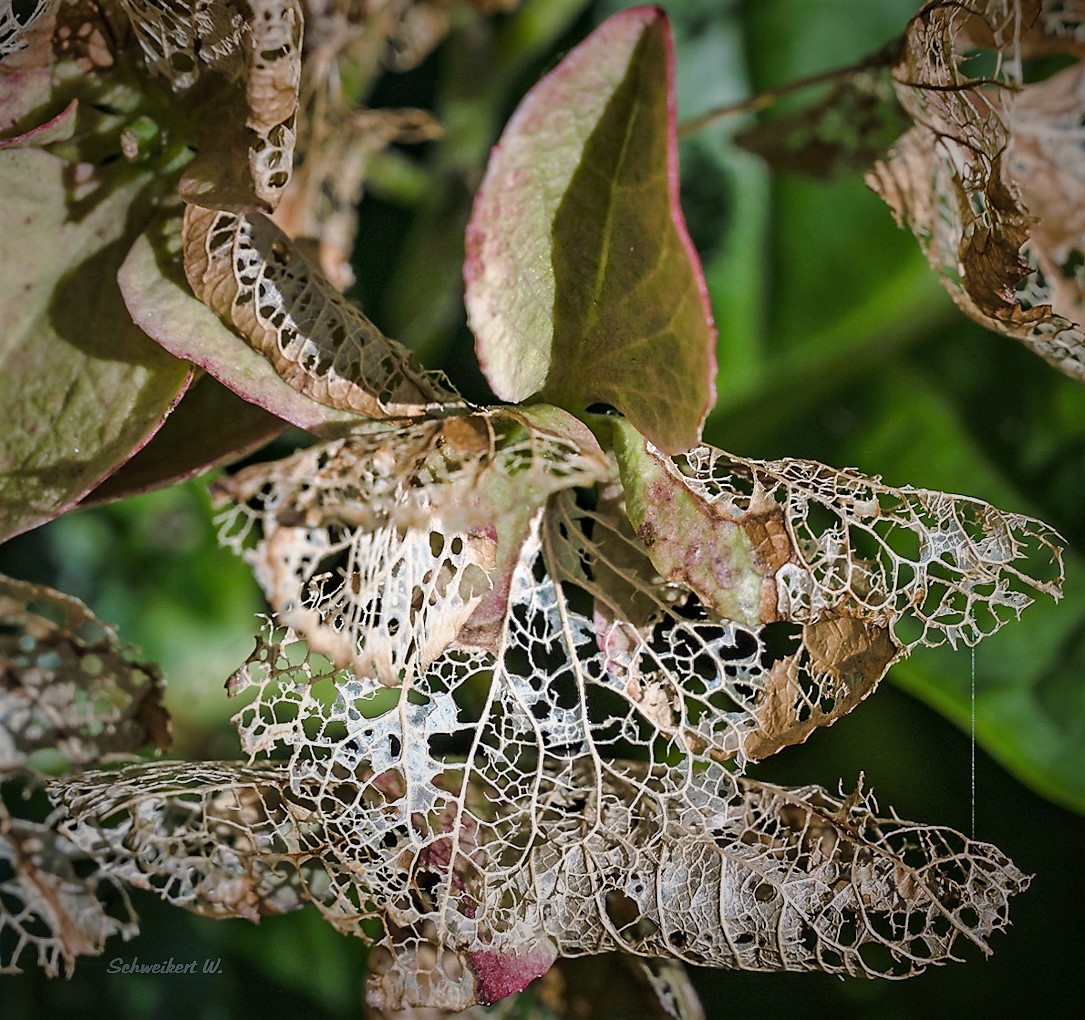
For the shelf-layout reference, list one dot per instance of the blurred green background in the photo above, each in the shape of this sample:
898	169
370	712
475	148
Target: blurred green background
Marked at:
836	343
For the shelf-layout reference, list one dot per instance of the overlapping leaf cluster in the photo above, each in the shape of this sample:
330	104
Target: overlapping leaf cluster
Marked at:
522	655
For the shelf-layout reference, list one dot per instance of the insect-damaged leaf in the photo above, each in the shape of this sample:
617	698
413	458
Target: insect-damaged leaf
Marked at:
255	279
53	900
68	687
385	549
513	867
989	179
582	283
81	387
161	304
248	57
67	684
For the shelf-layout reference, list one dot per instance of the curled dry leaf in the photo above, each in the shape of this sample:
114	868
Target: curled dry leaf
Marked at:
67	683
254	278
320	205
161	303
346	47
471	881
989	178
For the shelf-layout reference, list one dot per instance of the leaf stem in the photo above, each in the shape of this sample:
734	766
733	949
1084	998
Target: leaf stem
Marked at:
883	58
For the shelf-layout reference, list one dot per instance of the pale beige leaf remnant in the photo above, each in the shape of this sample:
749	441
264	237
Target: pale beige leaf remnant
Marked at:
253	277
991	177
932	567
16	26
53	900
385	548
396	552
470	883
334	152
67	684
180	40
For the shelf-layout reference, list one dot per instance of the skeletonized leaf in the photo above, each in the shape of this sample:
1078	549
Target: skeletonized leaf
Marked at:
253	277
160	302
66	683
53	900
386	548
582	283
470	882
730	606
227	843
989	179
844	131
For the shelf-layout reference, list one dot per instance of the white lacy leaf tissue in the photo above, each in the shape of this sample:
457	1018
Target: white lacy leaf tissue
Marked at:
504	732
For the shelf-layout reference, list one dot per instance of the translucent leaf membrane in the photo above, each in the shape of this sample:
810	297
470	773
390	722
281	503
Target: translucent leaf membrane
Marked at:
726	606
385	548
67	684
989	178
469	885
253	277
55	903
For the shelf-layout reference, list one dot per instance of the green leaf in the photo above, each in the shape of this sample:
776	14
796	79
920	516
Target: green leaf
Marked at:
211	427
582	284
81	387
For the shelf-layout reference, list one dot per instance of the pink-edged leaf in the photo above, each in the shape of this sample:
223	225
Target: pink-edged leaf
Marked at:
211	427
162	305
81	387
582	283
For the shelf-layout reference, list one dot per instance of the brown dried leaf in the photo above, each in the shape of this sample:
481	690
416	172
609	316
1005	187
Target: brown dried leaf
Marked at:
246	58
320	205
990	173
66	683
254	278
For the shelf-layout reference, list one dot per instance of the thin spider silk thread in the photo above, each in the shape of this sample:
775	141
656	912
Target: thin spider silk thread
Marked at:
972	733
